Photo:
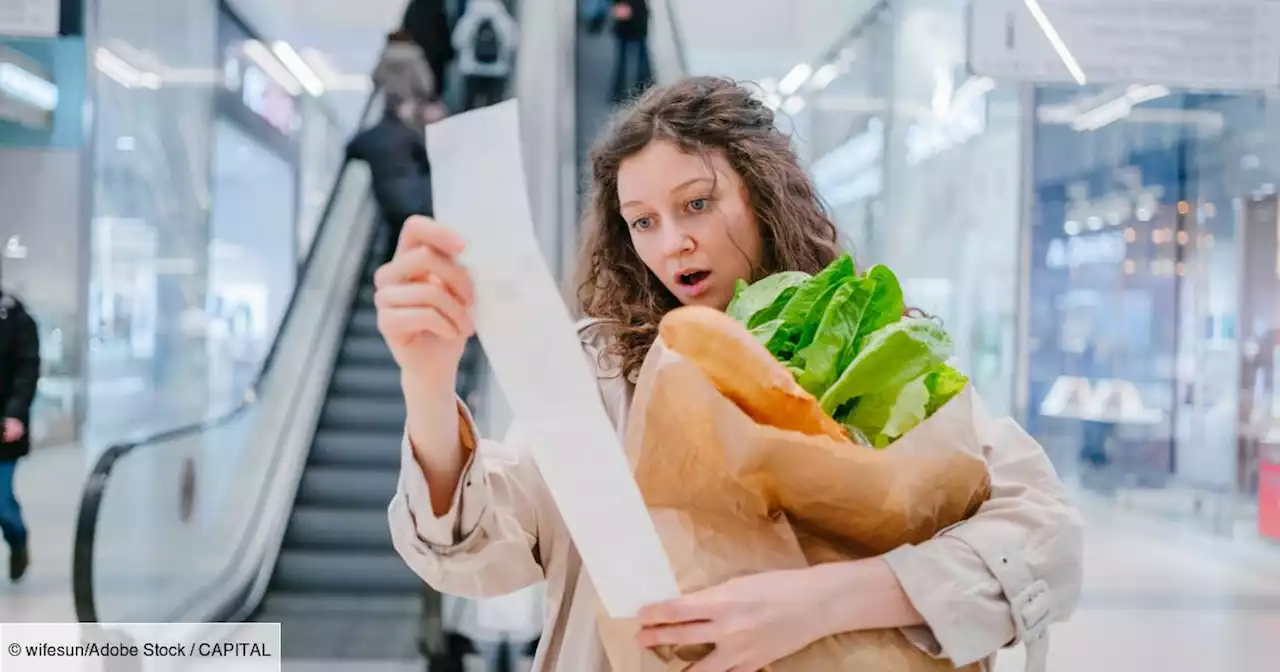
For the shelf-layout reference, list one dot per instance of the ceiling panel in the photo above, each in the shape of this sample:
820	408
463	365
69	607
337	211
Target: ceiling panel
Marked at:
760	39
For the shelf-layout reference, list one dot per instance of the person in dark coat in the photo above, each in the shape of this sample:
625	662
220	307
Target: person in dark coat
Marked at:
632	70
396	151
19	373
428	22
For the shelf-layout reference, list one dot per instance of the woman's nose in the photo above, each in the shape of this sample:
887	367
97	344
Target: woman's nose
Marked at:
676	239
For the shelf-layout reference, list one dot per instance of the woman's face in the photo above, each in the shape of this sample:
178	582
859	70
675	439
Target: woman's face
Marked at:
690	221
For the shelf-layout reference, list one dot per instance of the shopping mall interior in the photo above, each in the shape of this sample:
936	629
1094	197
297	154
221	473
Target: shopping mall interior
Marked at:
1081	192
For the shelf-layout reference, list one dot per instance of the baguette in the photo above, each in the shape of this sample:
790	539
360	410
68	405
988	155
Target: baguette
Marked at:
744	371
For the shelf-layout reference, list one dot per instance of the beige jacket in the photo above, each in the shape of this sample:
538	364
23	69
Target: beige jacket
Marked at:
996	580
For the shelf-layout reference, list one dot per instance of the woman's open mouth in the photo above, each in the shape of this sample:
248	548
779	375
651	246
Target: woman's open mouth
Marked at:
693	283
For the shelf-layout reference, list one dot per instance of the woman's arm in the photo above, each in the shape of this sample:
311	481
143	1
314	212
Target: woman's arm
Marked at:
1001	577
471	528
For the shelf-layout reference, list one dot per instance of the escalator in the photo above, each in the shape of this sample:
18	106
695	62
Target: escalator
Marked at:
339	590
274	511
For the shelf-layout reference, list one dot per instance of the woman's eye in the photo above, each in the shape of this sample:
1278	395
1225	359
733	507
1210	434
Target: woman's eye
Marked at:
642	223
698	205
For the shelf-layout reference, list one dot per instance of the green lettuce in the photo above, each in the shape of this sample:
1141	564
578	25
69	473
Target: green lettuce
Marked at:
797	322
842	335
820	361
760	302
890	358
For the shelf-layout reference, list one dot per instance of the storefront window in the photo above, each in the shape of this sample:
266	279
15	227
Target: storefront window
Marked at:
954	169
1105	256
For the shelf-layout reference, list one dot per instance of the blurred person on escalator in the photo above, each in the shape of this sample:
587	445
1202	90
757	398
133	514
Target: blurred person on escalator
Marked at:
19	373
427	21
395	149
632	71
403	71
486	40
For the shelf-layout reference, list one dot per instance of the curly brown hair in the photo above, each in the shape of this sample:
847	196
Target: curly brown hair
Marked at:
698	115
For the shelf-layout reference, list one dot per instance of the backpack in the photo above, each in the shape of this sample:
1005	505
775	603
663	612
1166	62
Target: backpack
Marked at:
487	45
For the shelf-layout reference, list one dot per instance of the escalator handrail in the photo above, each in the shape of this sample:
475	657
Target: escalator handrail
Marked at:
95	484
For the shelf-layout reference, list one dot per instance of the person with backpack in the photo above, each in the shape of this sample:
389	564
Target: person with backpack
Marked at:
486	39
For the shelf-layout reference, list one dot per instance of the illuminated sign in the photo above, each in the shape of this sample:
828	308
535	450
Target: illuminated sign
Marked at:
270	101
1076	251
1110	400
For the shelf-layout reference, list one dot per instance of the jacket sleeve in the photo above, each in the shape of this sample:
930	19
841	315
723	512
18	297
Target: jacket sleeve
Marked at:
26	368
487	544
1001	577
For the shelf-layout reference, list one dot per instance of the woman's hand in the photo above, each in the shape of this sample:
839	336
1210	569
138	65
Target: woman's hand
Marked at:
752	620
758	619
423	297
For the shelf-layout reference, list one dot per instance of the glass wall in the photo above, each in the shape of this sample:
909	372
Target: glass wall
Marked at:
251	269
1105	256
210	170
920	163
154	73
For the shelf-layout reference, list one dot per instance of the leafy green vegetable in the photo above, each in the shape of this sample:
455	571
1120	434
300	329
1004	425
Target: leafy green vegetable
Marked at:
834	337
844	338
800	317
891	358
885	305
751	303
944	384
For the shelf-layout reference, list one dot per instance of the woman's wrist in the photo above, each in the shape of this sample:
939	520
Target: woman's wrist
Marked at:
859	595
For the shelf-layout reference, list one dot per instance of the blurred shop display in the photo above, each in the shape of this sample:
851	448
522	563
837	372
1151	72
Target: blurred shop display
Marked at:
1086	196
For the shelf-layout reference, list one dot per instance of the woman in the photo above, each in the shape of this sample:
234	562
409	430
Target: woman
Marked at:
693	188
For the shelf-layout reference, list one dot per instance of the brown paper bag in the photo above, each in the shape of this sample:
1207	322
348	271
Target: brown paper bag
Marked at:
732	497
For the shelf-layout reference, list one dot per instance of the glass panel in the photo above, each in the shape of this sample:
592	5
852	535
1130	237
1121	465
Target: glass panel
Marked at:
176	513
954	172
173	515
251	269
154	74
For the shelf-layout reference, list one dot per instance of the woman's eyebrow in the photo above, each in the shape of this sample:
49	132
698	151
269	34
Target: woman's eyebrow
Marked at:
678	187
690	183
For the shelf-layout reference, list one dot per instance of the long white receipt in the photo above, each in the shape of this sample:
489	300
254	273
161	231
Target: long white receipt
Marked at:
478	186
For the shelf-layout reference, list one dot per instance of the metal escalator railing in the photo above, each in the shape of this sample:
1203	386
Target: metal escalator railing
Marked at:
165	520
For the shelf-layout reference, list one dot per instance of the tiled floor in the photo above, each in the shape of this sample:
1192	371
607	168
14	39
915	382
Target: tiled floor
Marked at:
1156	596
48	484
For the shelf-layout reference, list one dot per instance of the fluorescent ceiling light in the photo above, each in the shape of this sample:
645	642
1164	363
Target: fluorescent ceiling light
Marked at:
1055	40
795	79
119	70
1118	108
28	87
263	58
299	68
824	76
793	105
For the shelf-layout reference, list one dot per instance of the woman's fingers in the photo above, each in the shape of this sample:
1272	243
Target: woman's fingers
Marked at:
700	606
425	295
422	263
704	632
415	321
421	231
